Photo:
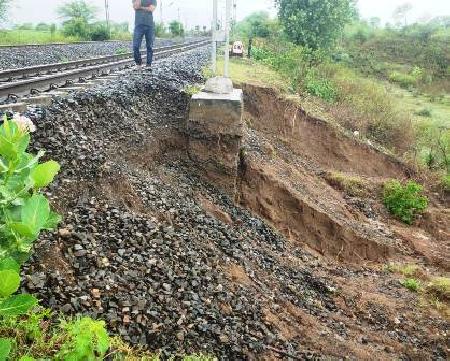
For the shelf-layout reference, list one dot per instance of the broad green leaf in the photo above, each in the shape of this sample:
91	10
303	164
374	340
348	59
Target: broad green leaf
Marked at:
35	212
9	282
17	305
43	174
3	166
23	230
5	348
29	160
53	220
9	263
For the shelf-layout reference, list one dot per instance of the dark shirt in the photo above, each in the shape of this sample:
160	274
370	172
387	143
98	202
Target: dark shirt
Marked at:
143	17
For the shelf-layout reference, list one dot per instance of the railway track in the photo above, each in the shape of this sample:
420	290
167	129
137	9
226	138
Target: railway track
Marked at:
41	79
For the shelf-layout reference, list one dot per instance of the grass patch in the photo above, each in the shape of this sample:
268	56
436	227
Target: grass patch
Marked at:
353	186
248	71
440	288
23	37
192	89
409	270
411	284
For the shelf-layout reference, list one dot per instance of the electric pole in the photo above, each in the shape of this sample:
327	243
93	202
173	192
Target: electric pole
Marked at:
107	17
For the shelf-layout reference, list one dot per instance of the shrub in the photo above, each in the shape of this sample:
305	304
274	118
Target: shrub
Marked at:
445	183
320	87
411	284
404	201
425	112
99	33
406	81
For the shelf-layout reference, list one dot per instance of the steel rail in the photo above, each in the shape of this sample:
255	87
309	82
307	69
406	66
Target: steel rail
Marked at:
23	87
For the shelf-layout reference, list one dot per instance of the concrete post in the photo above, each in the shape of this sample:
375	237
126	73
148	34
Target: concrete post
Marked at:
226	73
214	42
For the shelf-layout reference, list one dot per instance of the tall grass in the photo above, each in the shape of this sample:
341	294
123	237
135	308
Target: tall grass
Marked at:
22	37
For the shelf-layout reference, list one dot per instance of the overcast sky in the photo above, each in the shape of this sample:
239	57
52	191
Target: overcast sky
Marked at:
198	11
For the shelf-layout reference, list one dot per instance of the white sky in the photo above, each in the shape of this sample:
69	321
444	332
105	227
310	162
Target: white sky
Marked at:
199	11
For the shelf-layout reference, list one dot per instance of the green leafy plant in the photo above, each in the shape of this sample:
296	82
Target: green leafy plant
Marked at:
411	284
24	212
87	338
404	201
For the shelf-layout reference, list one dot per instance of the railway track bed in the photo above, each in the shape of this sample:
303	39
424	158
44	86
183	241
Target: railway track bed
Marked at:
36	84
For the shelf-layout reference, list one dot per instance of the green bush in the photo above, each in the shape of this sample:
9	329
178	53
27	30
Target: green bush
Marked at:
404	201
320	87
99	33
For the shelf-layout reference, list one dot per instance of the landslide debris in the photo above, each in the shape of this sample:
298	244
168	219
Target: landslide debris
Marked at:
172	263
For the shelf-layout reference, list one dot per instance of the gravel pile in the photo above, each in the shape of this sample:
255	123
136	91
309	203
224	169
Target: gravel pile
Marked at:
18	57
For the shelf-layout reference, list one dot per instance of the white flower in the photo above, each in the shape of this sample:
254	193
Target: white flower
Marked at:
24	123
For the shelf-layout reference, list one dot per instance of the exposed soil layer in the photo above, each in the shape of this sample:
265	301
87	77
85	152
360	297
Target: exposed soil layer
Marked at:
288	158
173	263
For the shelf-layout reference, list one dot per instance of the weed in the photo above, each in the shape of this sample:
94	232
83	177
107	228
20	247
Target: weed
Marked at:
439	288
425	112
353	186
445	183
192	89
404	201
121	51
86	338
320	87
409	270
406	81
411	284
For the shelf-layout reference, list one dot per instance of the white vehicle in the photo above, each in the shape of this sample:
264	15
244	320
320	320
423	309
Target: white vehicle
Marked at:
237	49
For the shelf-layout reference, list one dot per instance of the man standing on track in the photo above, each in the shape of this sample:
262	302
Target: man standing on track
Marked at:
143	27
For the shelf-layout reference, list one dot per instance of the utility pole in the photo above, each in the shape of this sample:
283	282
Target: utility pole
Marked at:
227	41
107	17
214	43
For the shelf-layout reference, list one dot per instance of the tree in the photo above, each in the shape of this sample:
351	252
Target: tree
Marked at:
4	5
176	28
77	14
77	10
401	12
315	23
256	25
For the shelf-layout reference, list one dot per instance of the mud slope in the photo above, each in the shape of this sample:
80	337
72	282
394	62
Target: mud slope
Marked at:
288	157
170	262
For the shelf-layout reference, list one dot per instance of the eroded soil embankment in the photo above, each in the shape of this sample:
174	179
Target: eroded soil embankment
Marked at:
170	262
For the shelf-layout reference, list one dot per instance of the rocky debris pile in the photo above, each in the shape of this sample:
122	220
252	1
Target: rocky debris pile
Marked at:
22	56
